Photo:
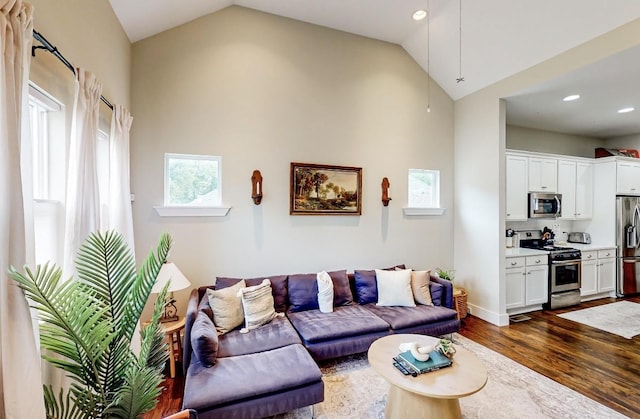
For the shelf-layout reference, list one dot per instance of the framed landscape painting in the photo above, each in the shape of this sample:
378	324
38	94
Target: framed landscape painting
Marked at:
320	189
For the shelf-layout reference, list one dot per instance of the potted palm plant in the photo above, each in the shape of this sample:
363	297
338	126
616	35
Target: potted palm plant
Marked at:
87	324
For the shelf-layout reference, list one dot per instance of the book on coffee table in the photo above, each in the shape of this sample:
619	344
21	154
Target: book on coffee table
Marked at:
436	361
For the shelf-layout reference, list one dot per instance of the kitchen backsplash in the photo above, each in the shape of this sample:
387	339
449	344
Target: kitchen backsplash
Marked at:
559	227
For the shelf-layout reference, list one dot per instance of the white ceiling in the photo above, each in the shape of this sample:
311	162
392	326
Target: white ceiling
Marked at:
499	38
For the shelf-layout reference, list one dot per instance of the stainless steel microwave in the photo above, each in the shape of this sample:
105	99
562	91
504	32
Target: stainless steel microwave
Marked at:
545	205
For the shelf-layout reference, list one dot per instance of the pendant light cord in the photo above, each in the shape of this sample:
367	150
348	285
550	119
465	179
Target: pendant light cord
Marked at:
460	78
428	57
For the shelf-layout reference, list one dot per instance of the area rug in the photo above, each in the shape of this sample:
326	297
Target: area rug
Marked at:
354	390
621	318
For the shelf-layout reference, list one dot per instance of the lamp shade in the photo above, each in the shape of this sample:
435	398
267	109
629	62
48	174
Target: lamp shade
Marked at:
170	272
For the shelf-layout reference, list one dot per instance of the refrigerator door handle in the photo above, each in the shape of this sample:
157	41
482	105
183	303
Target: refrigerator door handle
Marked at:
636	219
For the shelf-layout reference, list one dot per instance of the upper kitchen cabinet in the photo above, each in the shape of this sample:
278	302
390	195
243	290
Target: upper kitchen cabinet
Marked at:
628	178
543	174
516	187
575	183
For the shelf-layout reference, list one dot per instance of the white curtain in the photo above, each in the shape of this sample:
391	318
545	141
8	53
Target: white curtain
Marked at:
83	201
119	205
20	382
119	212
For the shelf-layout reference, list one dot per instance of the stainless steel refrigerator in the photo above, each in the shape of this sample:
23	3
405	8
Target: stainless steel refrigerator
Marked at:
628	245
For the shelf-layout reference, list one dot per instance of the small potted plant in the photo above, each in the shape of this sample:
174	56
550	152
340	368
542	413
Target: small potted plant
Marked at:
446	274
445	346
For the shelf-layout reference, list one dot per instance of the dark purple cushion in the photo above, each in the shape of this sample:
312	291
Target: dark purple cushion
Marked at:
303	292
343	322
278	288
205	306
341	290
366	287
277	333
204	339
436	293
406	317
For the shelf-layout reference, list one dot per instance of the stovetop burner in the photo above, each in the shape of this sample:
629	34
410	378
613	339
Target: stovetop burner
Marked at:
552	248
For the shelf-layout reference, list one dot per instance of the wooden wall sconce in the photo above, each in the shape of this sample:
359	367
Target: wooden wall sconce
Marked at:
256	187
385	192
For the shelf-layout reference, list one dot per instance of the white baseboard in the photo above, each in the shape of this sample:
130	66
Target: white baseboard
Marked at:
489	316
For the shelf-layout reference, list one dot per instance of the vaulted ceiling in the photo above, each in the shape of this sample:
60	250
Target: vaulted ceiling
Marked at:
483	41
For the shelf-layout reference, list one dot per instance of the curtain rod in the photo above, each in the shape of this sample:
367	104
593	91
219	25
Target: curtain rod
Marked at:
53	50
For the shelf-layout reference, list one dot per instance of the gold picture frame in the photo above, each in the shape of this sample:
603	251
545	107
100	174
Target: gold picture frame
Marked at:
321	189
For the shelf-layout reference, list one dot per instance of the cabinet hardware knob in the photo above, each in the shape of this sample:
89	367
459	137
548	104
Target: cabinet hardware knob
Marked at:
589	256
508	215
537	260
514	263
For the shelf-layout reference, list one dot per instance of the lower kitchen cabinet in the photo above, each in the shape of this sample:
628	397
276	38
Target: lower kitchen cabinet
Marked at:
598	272
526	281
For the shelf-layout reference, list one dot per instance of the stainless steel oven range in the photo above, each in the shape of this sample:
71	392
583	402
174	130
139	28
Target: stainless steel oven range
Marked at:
565	270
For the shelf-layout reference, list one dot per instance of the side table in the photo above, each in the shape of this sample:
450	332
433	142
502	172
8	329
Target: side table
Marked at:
173	332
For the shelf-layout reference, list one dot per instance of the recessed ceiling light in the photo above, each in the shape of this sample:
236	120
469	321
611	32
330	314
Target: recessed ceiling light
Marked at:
625	110
571	97
419	14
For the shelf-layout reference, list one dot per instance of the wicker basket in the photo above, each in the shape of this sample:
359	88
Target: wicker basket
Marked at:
460	302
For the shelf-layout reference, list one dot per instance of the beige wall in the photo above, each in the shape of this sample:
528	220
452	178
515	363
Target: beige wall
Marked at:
89	35
480	138
263	91
520	138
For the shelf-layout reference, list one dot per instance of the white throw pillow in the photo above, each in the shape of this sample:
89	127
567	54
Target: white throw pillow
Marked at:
394	288
227	307
257	302
325	292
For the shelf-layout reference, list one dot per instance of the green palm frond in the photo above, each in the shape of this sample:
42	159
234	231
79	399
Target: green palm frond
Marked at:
87	325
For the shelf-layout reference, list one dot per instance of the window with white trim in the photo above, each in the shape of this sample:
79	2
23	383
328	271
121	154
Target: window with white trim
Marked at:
424	188
192	180
46	125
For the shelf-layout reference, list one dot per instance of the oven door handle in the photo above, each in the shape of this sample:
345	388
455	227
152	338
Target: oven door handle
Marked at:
567	262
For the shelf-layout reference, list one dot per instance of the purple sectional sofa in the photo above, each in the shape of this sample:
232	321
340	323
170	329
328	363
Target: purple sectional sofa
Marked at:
272	369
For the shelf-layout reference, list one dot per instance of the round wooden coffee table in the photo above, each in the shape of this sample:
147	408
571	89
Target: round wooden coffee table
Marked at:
431	395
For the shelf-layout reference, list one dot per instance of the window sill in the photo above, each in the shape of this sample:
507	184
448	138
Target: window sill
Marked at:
412	211
192	211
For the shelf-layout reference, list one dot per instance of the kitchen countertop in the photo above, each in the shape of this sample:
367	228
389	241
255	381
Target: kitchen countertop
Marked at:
586	247
512	252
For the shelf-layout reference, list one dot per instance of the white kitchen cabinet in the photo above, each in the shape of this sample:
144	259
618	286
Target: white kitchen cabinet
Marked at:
606	270
575	183
627	178
543	174
516	187
567	187
598	273
515	286
536	280
584	191
526	285
589	273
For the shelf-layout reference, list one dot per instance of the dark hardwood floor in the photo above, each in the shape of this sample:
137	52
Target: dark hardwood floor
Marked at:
600	365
